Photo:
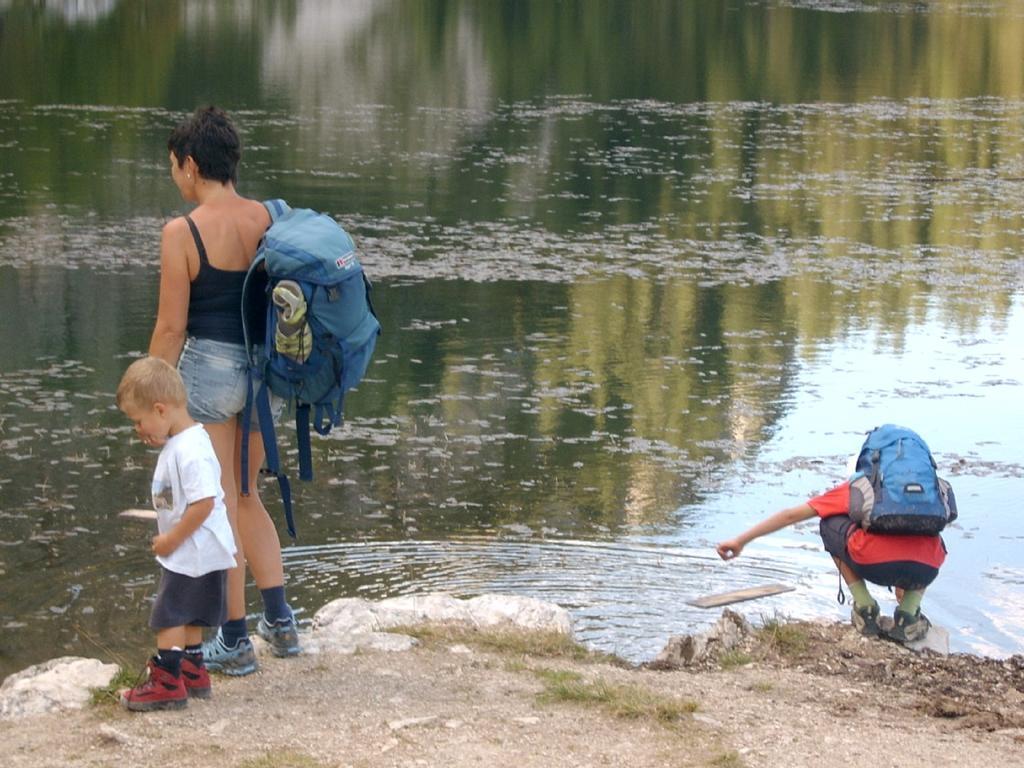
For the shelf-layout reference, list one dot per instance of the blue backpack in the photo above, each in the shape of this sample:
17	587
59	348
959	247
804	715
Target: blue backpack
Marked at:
895	488
307	287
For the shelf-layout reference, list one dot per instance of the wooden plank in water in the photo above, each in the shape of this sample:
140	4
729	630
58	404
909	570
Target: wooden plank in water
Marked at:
739	595
139	514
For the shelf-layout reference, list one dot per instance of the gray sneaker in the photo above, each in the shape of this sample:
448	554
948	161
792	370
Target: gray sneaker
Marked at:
281	636
908	628
866	620
236	660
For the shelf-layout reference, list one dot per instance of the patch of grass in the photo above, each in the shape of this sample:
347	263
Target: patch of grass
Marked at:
786	638
762	687
631	702
734	658
558	677
109	694
728	760
281	759
509	641
515	665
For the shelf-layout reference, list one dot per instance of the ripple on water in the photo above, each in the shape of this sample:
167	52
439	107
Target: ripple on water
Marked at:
626	598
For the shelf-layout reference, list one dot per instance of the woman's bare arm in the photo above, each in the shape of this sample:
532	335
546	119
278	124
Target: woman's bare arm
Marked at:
172	313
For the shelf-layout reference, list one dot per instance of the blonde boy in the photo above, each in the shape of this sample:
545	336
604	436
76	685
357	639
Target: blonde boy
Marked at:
194	544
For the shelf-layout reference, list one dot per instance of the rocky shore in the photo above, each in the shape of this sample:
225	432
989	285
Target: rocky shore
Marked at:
496	680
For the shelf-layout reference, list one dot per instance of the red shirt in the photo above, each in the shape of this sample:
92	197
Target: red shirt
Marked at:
869	548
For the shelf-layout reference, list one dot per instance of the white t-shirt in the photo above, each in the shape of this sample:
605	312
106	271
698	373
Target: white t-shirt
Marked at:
186	472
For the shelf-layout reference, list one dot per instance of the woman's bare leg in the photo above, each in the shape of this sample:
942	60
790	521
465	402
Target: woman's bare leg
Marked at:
255	527
222	436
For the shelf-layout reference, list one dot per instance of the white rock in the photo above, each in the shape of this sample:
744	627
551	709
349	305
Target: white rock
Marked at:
936	640
682	650
111	735
707	720
218	727
348	625
351	612
55	685
418	609
528	720
410	722
521	612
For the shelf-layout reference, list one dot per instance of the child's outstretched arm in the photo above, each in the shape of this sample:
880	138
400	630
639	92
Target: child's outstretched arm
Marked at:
731	548
196	512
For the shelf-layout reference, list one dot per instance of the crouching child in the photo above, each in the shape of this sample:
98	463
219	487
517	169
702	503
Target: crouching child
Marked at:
880	526
194	544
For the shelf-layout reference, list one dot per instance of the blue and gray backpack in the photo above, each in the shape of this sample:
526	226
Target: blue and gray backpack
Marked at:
308	289
895	488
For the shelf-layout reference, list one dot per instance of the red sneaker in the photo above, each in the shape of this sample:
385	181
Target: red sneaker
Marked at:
161	691
196	678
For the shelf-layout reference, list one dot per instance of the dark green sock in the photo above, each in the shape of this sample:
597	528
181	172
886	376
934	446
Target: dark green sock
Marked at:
861	597
911	602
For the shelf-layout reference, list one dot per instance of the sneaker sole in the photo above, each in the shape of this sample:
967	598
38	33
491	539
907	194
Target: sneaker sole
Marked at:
899	634
285	653
278	650
199	693
900	637
232	671
152	706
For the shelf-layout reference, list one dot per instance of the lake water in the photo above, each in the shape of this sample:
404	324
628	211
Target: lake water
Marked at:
645	275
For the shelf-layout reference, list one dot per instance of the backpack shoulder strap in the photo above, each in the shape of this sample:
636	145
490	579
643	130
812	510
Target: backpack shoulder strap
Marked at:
258	401
276	208
253	302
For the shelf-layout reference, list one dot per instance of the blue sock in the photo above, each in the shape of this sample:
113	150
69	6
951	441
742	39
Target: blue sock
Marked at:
274	606
234	630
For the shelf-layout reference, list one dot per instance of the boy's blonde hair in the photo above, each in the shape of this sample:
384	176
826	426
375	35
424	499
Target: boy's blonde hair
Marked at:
150	380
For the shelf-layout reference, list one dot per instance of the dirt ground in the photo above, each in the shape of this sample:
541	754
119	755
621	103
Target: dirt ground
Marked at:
795	695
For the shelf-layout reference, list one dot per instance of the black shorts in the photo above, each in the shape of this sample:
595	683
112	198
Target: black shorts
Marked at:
183	601
905	574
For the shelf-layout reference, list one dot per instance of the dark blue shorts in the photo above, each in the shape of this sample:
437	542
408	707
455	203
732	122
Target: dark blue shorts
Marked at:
186	601
905	574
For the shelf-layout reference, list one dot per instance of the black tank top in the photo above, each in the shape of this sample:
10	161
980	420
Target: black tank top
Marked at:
215	299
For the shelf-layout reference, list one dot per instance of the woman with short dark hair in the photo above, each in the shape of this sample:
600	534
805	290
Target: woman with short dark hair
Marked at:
204	257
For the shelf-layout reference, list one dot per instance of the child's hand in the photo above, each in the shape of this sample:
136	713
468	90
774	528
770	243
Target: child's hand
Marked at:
727	550
163	545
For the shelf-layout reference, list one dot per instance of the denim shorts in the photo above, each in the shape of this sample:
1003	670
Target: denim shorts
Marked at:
215	379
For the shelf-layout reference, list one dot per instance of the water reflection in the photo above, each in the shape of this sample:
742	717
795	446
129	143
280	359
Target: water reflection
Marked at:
626	309
479	424
462	53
